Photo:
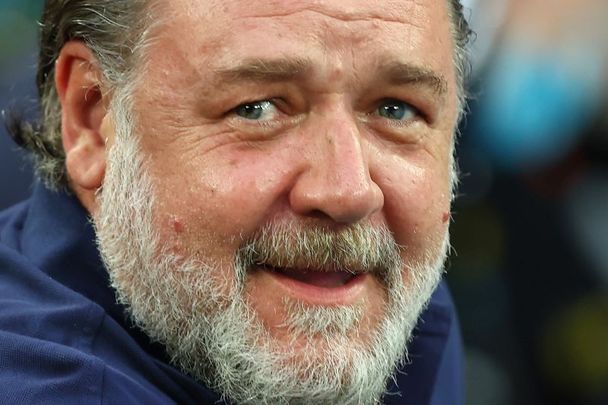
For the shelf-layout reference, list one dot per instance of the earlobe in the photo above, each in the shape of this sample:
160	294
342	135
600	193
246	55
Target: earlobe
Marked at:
83	109
85	162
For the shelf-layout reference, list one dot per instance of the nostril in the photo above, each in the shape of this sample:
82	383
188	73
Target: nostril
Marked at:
318	214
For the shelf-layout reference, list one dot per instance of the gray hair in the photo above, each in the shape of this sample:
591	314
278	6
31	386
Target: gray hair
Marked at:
116	32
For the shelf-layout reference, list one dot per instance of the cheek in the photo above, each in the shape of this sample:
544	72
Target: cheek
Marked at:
417	202
213	202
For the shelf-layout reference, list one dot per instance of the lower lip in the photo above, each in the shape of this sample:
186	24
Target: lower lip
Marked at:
346	294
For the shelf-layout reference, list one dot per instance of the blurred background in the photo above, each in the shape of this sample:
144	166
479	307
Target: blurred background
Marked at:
18	56
530	269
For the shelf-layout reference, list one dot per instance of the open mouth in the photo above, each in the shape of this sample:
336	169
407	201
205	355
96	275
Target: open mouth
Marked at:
326	287
317	278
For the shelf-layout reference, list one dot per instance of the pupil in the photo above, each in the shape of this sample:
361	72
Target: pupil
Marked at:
253	111
393	111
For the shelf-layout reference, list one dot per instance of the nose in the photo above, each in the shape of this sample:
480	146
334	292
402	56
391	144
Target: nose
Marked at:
337	182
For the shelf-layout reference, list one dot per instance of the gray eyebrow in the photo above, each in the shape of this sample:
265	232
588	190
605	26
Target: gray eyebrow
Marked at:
285	69
407	74
266	70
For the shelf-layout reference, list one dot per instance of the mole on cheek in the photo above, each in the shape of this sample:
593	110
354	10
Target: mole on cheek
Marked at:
446	217
177	225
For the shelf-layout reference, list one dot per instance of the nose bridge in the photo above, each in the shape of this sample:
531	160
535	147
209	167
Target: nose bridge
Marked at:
342	161
337	181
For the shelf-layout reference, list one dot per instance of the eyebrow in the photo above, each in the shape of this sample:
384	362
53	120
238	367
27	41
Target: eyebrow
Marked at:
285	69
266	70
406	74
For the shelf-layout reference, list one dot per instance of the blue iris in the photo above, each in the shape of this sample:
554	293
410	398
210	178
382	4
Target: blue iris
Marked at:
253	111
395	110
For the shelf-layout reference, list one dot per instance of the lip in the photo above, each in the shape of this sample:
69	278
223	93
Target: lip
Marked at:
346	294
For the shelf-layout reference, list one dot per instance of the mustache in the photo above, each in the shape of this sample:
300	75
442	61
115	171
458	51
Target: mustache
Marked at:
357	248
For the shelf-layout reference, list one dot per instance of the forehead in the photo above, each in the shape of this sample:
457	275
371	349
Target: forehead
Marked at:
397	11
345	32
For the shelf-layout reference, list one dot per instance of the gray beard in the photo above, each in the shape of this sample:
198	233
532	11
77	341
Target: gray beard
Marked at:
212	333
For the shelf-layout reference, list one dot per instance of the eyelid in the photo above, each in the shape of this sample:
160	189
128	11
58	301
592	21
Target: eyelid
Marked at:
280	106
426	105
401	130
282	120
396	100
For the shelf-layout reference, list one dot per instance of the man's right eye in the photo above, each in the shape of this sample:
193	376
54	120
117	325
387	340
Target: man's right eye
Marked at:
264	110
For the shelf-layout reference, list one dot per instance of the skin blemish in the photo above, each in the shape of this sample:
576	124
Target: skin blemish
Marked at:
177	225
446	217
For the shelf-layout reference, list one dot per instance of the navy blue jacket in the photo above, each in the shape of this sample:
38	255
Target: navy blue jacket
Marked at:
64	339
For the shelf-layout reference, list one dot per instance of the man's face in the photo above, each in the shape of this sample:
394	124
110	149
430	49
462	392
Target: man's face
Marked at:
263	124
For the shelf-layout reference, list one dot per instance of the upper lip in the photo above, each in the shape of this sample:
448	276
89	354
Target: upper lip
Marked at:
309	269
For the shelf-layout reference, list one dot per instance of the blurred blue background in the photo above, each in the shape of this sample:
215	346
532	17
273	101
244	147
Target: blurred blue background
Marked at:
18	55
530	273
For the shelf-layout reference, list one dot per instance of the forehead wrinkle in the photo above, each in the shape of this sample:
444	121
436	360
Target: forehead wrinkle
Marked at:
351	17
392	11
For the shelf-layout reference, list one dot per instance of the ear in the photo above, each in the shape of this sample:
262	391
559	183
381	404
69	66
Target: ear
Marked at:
83	109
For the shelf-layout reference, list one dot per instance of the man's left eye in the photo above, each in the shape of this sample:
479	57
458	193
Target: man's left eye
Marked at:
257	111
397	110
